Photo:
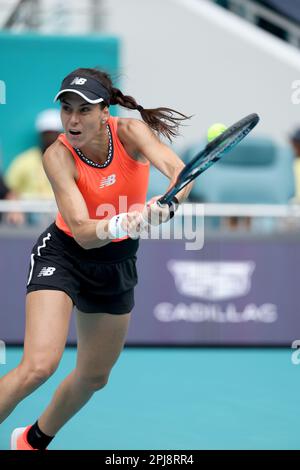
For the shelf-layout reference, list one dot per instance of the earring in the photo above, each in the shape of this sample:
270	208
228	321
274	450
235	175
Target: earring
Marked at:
103	121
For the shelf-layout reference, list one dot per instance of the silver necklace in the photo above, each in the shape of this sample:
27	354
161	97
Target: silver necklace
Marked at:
109	155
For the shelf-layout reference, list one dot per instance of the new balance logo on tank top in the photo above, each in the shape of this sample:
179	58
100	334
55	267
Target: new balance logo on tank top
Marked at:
120	183
107	181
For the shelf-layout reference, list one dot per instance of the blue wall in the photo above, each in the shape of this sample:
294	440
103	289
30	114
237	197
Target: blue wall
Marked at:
32	67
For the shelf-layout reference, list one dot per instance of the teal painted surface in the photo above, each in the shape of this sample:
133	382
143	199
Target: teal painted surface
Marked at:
178	399
32	68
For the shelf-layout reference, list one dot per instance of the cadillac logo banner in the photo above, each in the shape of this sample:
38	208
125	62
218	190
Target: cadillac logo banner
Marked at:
231	292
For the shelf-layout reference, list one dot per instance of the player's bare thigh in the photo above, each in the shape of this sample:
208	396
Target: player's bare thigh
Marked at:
101	338
48	314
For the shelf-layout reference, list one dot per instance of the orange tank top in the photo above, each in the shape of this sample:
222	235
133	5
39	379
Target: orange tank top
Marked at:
112	189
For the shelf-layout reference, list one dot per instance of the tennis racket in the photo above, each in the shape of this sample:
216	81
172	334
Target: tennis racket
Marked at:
210	155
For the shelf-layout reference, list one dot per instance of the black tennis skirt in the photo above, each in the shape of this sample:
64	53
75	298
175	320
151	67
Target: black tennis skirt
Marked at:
99	280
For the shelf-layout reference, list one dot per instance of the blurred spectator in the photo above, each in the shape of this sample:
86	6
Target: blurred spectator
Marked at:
3	189
295	142
16	218
26	176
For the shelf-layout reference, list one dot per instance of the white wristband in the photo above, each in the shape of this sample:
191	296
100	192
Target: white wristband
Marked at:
114	226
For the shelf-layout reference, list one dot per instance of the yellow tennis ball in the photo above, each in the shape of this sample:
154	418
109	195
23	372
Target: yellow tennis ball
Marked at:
215	130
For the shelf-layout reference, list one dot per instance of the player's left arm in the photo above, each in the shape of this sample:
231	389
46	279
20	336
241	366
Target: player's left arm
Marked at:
139	135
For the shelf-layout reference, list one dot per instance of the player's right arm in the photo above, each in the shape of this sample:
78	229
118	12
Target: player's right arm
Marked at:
61	171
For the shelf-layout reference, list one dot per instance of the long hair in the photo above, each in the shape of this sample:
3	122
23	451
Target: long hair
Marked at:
164	121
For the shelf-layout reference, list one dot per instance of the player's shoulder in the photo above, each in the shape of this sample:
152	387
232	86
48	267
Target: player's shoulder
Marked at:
57	155
57	150
131	130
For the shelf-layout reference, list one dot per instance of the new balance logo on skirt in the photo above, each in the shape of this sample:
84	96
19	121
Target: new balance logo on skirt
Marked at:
46	272
108	181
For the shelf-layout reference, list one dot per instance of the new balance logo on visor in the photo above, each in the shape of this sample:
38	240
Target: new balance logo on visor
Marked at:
46	272
78	81
108	181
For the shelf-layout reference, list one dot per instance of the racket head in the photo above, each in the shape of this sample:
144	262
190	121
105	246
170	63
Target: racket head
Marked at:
213	151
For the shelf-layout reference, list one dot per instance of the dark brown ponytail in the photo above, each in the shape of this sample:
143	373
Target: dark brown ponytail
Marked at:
164	121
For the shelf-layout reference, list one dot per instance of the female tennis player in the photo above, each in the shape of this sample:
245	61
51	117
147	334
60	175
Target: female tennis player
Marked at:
99	171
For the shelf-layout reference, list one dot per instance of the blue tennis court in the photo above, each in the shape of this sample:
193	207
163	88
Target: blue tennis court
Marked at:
178	399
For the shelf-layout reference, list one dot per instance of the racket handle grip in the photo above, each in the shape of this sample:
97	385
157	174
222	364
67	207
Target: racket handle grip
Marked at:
160	203
173	203
167	198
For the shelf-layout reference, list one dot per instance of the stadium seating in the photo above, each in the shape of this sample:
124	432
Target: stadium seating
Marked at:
256	171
